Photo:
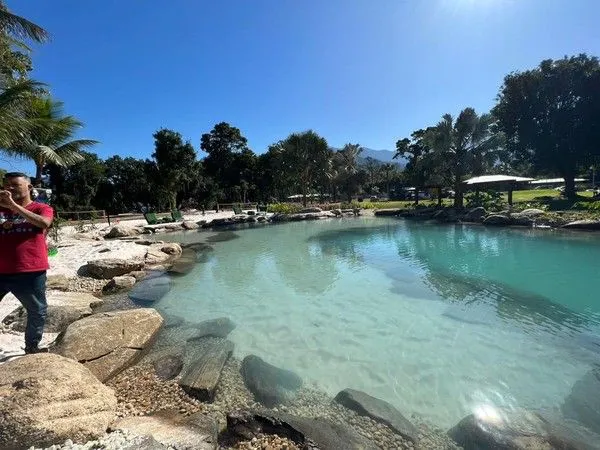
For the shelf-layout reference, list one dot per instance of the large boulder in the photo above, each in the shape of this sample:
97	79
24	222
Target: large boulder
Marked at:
171	429
188	225
306	433
64	308
107	343
521	219
592	225
270	385
475	214
204	362
155	255
532	212
312	209
497	220
47	399
152	288
111	267
378	410
387	212
119	231
118	284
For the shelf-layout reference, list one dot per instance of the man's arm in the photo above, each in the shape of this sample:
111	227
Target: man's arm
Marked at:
33	218
39	221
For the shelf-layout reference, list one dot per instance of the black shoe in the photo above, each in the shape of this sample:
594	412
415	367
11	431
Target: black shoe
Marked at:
36	349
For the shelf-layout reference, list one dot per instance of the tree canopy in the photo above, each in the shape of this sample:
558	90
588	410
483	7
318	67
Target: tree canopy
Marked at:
551	116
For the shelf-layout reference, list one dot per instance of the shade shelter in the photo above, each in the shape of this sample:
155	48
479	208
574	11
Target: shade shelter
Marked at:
498	182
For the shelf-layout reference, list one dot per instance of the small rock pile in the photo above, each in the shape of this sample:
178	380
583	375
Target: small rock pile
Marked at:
266	442
140	392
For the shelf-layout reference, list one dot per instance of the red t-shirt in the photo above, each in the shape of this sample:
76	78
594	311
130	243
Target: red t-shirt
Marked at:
23	246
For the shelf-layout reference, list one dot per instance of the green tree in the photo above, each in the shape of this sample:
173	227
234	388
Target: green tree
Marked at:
226	150
127	185
76	187
463	146
307	159
551	116
15	65
175	162
423	167
49	139
346	167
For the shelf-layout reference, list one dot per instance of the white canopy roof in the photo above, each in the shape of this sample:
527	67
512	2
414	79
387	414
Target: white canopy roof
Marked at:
496	179
555	180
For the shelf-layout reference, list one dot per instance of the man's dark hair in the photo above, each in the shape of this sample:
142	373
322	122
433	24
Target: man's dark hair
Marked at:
16	175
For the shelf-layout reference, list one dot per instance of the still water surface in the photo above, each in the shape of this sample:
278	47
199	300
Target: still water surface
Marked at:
438	320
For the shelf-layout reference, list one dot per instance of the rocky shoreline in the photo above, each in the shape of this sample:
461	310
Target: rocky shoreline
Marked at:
130	378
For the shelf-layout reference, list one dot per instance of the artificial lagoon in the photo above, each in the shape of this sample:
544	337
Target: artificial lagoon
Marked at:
439	320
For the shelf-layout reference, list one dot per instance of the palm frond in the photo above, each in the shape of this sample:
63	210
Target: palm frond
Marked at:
17	92
22	28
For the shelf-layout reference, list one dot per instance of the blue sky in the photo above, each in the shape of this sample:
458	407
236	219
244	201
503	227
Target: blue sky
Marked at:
366	71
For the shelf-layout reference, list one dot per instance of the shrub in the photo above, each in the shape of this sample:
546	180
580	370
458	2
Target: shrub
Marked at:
284	208
488	199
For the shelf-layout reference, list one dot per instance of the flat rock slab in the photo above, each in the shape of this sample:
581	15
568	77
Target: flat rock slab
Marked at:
112	267
270	385
47	399
378	410
108	343
205	359
307	433
220	327
196	432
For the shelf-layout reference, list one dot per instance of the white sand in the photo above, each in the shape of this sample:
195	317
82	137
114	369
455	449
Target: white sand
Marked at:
74	253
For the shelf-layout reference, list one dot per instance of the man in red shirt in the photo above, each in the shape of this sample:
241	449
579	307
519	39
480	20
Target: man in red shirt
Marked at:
24	253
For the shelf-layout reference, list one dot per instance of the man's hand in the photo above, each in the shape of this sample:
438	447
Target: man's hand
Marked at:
6	200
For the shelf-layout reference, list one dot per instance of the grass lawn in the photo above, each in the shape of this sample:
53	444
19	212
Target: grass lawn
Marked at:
535	195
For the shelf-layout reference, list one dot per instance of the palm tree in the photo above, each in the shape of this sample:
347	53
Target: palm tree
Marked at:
49	139
13	125
465	144
348	168
19	27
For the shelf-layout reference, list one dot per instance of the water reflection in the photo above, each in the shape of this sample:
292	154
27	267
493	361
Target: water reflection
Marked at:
461	266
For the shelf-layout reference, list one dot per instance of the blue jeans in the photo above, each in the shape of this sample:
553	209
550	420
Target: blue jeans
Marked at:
30	290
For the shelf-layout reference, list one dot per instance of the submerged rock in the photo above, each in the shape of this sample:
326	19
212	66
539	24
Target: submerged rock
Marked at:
151	289
583	403
220	327
378	410
270	385
307	433
47	399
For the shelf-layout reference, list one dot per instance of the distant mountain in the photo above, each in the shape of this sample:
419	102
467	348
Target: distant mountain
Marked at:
384	156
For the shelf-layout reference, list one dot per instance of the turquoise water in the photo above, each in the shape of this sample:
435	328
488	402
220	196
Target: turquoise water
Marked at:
438	320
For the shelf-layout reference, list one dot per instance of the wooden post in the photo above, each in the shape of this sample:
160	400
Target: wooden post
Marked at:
510	194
